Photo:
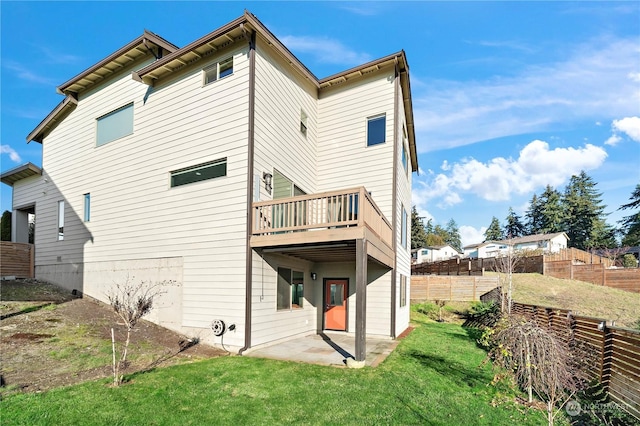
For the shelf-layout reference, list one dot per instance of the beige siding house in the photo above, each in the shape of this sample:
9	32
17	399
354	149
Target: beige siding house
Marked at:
277	201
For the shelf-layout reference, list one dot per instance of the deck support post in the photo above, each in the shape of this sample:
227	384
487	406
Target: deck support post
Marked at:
361	301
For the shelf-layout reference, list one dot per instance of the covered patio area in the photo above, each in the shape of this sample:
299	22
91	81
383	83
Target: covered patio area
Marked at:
327	349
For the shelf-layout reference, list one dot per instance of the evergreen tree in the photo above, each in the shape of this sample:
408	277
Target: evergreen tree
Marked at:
418	234
552	212
514	227
5	226
434	240
494	232
534	216
584	220
453	239
441	233
630	229
428	228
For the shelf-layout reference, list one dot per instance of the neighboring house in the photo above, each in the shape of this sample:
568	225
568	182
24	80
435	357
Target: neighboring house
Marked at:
485	249
433	254
547	243
279	202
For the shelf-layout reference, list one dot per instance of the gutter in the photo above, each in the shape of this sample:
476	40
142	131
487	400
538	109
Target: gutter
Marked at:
250	160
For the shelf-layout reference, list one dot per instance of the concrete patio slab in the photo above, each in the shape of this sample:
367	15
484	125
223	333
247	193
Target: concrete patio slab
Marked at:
326	349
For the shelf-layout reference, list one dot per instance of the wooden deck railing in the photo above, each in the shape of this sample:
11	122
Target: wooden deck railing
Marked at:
344	208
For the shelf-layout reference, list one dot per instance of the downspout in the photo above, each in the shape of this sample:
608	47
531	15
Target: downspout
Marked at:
250	156
394	201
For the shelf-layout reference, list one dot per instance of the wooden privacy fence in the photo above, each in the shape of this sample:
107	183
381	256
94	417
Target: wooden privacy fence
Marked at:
624	279
474	267
612	353
453	288
578	256
16	259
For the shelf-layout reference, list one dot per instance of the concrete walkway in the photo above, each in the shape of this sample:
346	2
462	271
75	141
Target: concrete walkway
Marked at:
326	349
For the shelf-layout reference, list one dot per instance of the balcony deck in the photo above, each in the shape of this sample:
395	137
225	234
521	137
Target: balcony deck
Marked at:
314	226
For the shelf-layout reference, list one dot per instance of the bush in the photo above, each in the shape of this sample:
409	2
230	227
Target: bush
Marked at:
482	314
629	261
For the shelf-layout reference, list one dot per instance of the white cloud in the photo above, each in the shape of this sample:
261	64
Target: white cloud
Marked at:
470	235
13	155
597	81
629	126
325	50
26	74
500	178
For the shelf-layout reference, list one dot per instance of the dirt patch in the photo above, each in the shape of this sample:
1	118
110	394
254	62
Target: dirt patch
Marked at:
51	338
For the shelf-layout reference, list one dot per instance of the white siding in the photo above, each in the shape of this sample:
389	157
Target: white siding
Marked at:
280	95
403	199
344	159
135	215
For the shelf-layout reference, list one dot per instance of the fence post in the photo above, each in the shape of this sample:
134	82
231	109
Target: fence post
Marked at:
607	354
32	261
475	285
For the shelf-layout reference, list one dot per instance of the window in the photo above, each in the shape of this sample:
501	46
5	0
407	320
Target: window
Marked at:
405	154
87	207
403	290
211	170
405	159
60	220
290	289
114	125
303	123
376	130
403	228
218	70
425	251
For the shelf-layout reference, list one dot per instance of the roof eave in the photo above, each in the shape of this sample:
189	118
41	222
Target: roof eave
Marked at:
52	120
21	172
147	36
247	21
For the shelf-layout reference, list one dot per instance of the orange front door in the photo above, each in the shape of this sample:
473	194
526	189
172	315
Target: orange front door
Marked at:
335	304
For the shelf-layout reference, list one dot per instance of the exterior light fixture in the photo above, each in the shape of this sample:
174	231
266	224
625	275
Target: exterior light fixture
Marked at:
314	276
267	181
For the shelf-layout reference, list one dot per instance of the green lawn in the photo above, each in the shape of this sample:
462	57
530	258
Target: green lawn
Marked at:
434	377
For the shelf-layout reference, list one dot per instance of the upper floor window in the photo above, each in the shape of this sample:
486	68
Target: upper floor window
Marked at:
200	172
303	123
404	227
114	125
405	159
376	130
218	70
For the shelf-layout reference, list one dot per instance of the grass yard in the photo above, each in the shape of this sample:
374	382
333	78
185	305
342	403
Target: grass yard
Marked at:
583	298
434	377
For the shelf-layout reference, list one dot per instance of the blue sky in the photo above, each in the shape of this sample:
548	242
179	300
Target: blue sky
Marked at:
508	96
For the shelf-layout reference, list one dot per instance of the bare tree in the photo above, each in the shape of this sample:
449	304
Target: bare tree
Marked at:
614	255
541	362
131	302
505	266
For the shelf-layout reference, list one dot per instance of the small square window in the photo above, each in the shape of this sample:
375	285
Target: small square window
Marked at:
218	70
376	130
